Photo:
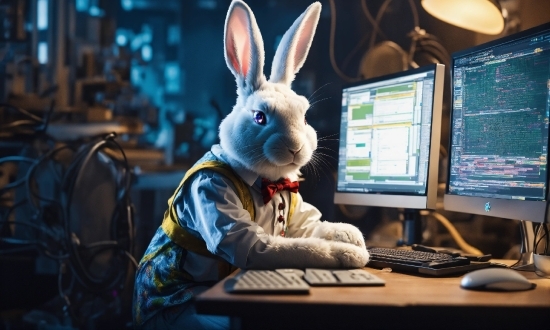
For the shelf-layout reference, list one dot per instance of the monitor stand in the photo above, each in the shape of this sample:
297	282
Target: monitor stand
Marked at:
525	262
412	227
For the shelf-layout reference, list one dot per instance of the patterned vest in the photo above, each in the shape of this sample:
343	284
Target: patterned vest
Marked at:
186	240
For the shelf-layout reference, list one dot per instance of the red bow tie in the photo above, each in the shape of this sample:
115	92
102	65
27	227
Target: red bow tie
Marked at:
269	188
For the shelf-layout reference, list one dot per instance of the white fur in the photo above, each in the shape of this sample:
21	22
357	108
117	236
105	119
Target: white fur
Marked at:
285	143
314	252
341	232
296	42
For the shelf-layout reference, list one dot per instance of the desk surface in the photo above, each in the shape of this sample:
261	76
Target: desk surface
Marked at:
404	300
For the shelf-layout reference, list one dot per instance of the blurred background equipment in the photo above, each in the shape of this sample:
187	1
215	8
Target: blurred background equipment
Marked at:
66	217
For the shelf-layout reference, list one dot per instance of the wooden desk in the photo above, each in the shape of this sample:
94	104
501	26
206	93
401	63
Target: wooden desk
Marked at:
407	301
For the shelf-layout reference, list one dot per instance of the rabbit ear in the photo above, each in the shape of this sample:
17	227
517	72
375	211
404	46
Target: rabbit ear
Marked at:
244	47
294	46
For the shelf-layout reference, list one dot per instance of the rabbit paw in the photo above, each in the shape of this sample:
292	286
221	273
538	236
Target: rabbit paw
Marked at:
340	232
350	256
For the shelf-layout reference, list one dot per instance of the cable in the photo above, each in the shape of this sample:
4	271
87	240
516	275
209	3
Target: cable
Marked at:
10	159
42	229
104	245
22	111
59	242
365	36
48	116
29	224
17	123
35	124
542	227
66	300
414	11
374	23
72	180
17	159
29	245
74	171
348	58
376	30
331	45
546	234
427	45
379	15
455	234
382	11
6	217
30	192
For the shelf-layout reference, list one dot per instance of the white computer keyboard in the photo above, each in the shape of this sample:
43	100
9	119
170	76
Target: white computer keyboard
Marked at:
298	281
272	281
341	277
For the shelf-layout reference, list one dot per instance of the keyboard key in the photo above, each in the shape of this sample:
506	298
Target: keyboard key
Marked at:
341	277
267	281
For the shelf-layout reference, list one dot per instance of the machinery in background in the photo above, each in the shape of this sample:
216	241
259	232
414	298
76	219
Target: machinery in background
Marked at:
66	231
109	67
82	109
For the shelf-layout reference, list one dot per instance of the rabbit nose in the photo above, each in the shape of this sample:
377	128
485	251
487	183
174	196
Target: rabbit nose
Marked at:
294	152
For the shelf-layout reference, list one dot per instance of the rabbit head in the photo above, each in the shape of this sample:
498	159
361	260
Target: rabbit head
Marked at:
266	131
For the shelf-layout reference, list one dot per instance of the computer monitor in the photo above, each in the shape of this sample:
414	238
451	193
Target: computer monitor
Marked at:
499	130
389	143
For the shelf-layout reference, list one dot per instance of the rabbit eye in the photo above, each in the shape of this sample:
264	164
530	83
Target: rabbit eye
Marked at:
259	118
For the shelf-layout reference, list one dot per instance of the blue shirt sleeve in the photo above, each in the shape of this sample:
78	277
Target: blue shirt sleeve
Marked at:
209	208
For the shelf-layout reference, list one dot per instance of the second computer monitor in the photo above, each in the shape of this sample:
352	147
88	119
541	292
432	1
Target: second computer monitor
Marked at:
500	127
390	140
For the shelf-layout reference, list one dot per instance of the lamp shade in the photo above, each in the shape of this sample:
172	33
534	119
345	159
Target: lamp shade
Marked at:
483	16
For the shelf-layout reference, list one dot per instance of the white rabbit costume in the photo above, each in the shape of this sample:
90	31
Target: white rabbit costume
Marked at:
264	137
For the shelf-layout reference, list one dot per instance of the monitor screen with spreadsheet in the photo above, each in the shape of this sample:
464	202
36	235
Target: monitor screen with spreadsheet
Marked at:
499	127
390	140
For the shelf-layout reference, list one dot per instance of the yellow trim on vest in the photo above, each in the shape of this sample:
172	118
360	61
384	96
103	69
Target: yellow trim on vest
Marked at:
293	202
183	238
186	240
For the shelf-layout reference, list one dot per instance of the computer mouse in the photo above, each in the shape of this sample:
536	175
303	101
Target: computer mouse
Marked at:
496	279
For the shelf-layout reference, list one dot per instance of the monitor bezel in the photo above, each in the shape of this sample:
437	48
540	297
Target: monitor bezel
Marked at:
527	210
407	201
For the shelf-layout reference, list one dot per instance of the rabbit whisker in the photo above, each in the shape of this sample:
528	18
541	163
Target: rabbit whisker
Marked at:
313	165
325	148
325	155
252	152
258	158
317	101
246	151
310	168
318	89
323	165
326	138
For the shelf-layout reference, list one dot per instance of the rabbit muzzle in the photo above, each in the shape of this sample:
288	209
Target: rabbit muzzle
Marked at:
282	151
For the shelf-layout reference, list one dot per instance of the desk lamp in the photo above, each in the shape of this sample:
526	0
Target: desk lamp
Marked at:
482	16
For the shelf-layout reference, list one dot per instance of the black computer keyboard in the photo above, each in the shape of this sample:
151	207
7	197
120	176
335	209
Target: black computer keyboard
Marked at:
428	263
